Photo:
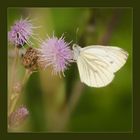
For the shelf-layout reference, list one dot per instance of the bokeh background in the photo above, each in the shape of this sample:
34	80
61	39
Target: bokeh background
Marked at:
65	104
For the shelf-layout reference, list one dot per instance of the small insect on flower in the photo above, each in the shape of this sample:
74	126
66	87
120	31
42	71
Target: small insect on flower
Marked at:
21	32
17	117
30	58
56	53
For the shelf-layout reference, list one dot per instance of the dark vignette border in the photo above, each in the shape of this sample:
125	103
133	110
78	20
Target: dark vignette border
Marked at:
3	68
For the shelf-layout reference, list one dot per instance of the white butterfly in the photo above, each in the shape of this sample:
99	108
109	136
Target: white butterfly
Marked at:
97	64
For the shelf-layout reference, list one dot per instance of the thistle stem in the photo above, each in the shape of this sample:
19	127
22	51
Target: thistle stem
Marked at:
13	101
13	71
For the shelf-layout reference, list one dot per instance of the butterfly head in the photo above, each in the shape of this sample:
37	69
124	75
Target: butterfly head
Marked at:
76	51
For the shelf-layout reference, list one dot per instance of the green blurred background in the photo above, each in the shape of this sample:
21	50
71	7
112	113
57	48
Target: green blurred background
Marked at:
64	104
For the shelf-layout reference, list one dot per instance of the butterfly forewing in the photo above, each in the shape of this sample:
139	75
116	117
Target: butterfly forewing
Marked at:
115	57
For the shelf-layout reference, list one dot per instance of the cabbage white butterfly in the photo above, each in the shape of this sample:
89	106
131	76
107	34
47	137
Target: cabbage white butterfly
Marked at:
97	64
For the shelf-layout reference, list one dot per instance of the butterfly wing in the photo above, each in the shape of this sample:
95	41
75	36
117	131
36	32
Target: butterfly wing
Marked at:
97	64
115	57
94	73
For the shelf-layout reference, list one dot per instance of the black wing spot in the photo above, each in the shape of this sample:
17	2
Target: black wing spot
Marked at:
111	62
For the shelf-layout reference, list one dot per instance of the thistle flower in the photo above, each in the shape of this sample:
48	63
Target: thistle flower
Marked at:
18	116
56	53
20	32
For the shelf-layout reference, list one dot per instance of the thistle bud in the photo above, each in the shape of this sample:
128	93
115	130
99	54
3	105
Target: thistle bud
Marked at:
18	117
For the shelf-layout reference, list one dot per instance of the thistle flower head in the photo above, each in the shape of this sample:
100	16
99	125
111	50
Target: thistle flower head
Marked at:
56	53
20	32
18	116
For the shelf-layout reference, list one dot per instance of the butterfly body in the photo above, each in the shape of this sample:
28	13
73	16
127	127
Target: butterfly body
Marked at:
97	64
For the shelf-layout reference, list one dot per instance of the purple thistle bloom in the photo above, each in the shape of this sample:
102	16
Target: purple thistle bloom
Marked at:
20	32
56	53
18	116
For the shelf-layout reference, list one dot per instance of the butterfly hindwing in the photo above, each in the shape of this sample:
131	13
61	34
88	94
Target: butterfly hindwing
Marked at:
94	74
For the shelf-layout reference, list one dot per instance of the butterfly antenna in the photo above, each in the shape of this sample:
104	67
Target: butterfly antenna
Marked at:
77	30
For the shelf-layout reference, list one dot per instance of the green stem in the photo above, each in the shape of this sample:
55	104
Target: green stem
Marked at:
13	101
13	72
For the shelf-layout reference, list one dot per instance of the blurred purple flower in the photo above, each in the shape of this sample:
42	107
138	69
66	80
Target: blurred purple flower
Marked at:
20	32
56	53
18	116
